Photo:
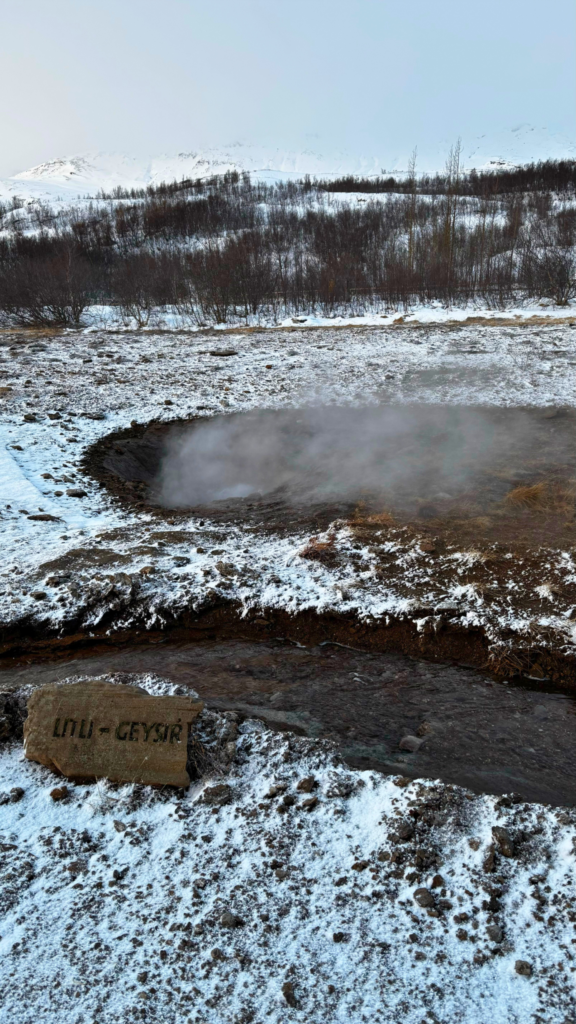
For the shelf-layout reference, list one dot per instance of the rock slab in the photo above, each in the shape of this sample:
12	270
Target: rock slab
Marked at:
93	730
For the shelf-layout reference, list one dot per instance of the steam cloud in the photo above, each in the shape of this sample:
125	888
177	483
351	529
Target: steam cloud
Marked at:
325	453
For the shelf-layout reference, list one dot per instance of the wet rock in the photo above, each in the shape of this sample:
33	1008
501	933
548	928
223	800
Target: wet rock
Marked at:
360	865
16	794
524	968
423	897
230	920
76	492
503	841
39	595
30	417
120	826
339	937
438	882
495	933
410	743
217	796
424	729
217	954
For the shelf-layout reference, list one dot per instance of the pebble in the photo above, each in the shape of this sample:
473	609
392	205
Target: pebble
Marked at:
60	793
423	897
306	785
217	796
289	993
13	797
503	841
229	920
410	743
524	968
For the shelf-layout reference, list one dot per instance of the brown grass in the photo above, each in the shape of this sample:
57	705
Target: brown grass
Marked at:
542	497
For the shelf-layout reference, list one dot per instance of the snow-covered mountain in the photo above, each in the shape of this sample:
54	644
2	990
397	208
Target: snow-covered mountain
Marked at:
87	174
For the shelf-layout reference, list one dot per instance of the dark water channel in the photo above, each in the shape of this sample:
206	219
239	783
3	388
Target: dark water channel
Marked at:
489	736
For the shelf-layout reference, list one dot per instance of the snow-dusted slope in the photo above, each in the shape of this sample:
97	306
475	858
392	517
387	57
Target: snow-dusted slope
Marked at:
87	174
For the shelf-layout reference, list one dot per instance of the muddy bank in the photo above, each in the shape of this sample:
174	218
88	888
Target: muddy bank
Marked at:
441	641
475	731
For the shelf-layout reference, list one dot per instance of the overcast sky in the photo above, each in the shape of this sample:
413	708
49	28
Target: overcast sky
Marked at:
367	76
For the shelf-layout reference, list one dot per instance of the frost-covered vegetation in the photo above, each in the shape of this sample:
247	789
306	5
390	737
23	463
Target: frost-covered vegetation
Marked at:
227	248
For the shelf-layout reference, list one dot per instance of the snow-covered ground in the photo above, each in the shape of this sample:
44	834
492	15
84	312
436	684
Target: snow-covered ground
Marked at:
70	554
281	886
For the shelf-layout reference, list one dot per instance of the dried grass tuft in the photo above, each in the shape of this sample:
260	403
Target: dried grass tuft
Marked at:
542	497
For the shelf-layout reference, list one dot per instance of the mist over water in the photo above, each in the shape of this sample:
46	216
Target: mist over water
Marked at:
328	453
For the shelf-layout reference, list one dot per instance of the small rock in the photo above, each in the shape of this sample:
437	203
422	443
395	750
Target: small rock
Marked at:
306	785
503	841
142	977
229	920
495	933
309	804
77	867
289	993
428	546
438	882
168	401
60	793
281	874
30	417
405	831
424	729
76	492
217	796
423	897
339	936
119	826
489	861
360	865
524	968
16	794
39	595
410	743
217	954
279	787
402	781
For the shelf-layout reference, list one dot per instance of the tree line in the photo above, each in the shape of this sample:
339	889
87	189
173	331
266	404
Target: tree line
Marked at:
228	248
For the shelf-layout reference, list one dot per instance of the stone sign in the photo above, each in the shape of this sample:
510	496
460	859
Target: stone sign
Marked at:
94	730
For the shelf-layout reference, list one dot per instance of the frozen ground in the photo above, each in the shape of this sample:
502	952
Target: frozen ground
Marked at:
70	557
299	890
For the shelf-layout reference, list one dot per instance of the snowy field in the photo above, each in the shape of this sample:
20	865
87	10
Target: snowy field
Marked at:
71	556
282	886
